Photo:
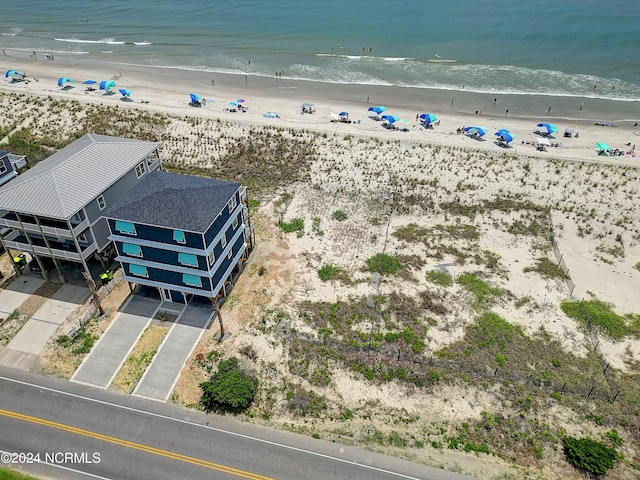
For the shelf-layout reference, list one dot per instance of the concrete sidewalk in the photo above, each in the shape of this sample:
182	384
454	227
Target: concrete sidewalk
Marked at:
15	294
110	352
35	334
161	376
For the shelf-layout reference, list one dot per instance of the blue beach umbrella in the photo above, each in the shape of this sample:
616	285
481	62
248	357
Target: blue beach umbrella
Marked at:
507	137
240	100
500	132
195	98
14	73
390	118
428	118
125	93
233	104
89	82
378	109
480	131
64	80
549	127
107	85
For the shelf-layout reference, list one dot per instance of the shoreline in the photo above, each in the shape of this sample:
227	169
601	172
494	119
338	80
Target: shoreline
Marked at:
167	90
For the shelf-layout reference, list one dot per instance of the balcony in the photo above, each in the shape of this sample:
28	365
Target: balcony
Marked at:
63	250
29	223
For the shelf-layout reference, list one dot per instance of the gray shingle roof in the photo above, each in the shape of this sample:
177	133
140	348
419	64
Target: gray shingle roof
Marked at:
174	201
69	179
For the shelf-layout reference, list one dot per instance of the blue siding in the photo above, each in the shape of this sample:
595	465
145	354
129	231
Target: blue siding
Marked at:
213	229
217	276
162	235
163	256
211	234
169	278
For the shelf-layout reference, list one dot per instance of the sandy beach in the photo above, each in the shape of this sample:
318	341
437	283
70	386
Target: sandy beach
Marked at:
433	197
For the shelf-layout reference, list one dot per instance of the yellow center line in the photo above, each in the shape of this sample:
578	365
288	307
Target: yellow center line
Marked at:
137	446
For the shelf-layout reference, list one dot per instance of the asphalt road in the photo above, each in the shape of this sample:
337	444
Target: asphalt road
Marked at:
82	433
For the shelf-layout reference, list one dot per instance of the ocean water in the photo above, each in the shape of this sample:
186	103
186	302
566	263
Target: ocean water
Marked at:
581	48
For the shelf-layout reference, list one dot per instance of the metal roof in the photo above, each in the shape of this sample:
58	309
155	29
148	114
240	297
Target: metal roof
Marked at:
62	184
175	201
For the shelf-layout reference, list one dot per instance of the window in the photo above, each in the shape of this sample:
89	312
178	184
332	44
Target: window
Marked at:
193	280
82	238
178	236
232	203
77	217
141	169
230	254
212	258
234	224
3	167
188	259
101	203
125	227
133	250
223	240
138	270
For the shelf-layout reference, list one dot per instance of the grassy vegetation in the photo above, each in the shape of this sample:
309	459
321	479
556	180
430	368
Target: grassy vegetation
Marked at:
589	455
6	474
484	295
295	225
547	269
637	266
331	272
383	263
339	215
439	277
80	342
140	358
598	315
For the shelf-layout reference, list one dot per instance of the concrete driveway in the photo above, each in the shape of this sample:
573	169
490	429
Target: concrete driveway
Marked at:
15	294
161	376
109	353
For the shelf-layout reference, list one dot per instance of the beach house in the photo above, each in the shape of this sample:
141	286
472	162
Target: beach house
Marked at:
9	165
54	210
185	236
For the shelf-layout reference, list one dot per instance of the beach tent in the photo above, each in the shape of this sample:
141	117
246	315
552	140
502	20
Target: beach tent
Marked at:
476	131
15	75
197	100
506	137
549	127
307	108
427	118
603	148
378	110
63	81
391	119
125	93
107	85
344	116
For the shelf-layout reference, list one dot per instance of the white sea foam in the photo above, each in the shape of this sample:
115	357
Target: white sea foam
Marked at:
106	41
142	43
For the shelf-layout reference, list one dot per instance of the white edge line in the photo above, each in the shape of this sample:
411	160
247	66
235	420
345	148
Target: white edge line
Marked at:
62	467
95	345
208	427
193	347
146	370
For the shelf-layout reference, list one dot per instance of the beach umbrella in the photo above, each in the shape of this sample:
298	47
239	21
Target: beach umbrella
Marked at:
390	118
480	131
195	98
500	132
64	80
89	82
107	85
233	104
507	137
240	100
14	73
428	118
549	127
344	114
603	146
125	93
378	109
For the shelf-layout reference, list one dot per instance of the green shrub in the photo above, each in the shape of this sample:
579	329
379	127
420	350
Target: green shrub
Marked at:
589	455
501	359
637	266
328	272
339	215
598	315
230	388
547	269
485	295
295	225
383	263
614	436
439	278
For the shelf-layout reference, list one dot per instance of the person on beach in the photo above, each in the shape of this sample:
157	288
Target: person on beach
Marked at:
34	55
506	112
549	109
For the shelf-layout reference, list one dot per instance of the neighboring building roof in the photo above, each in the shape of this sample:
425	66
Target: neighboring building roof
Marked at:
62	184
181	202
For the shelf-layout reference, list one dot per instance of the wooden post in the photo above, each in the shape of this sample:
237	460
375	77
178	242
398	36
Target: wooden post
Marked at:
614	398
591	391
606	368
219	314
92	286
